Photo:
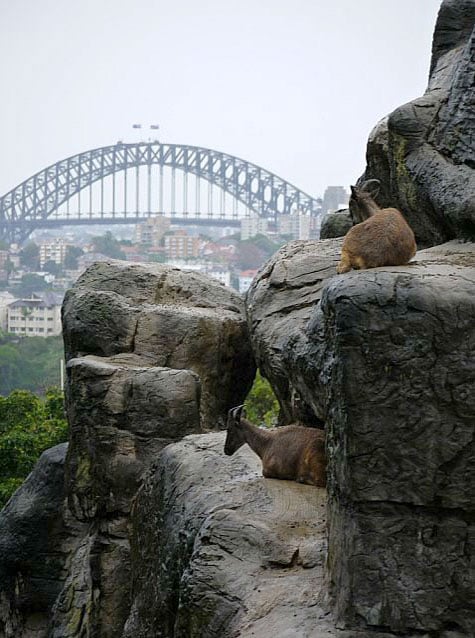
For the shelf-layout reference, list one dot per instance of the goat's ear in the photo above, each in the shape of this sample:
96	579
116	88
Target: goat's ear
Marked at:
371	186
354	191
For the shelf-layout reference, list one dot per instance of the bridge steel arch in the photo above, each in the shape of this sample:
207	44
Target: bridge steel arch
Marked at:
34	200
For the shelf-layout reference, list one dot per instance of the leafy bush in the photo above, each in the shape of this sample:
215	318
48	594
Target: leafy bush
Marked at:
261	405
29	425
29	363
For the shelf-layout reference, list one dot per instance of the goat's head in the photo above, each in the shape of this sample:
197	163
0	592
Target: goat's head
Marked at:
235	436
362	199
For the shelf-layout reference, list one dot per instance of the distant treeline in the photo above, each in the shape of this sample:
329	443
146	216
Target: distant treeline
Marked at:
29	363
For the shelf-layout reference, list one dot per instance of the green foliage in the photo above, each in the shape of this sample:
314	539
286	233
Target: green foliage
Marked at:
261	405
71	257
108	245
30	256
29	363
52	267
31	282
29	425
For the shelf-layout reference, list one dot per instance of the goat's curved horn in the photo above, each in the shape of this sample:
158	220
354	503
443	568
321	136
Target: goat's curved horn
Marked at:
371	186
236	412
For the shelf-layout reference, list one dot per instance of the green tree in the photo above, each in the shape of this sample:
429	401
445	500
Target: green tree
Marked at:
108	245
30	256
9	267
71	257
28	426
52	267
31	282
261	404
10	367
29	363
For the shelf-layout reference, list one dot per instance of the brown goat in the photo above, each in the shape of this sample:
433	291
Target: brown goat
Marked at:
381	236
291	452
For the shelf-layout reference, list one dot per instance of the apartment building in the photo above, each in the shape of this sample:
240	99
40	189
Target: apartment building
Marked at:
252	226
180	245
6	299
245	279
53	250
152	231
334	198
36	316
295	225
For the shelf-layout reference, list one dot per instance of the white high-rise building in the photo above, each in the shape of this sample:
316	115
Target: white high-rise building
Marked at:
295	225
252	226
53	250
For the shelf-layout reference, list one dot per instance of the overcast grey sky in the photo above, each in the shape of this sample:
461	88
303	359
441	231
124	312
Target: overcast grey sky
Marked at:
292	85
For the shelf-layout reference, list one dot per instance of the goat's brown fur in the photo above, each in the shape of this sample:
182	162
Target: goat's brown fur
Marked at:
382	237
291	452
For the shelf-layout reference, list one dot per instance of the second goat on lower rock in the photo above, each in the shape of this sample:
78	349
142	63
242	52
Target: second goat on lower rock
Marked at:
291	452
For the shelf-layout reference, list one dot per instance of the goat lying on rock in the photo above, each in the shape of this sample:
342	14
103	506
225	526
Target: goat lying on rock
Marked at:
290	452
381	236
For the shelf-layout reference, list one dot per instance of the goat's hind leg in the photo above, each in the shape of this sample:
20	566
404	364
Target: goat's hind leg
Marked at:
345	263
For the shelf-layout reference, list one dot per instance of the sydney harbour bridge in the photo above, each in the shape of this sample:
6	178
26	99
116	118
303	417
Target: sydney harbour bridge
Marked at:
129	183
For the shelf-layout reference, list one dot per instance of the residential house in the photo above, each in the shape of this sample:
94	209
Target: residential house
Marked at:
35	316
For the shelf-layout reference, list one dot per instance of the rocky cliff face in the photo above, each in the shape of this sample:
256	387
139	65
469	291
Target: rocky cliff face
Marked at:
385	359
153	354
424	152
139	532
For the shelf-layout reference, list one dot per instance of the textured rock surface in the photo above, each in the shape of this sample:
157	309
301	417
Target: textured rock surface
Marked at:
424	152
336	224
153	354
35	541
386	359
167	318
220	551
121	416
279	304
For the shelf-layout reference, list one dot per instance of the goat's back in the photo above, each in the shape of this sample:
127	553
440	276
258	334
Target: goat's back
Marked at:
296	453
385	239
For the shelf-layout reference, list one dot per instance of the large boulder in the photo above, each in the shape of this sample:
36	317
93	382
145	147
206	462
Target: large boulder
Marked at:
167	318
424	152
35	542
153	354
219	551
336	224
280	302
385	358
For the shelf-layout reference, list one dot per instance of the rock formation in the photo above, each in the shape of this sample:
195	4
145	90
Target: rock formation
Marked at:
385	359
424	152
336	224
153	354
219	551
